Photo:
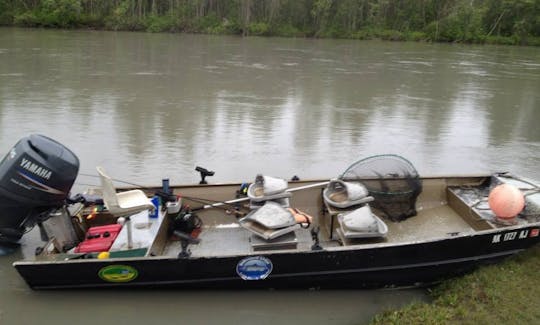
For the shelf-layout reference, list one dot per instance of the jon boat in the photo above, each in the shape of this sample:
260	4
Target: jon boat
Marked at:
378	224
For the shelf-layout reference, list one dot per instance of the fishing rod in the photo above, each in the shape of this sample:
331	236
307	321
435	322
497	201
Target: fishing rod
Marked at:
118	180
294	189
219	203
191	198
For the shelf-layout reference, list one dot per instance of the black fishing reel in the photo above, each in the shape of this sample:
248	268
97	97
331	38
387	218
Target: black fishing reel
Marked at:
185	221
182	224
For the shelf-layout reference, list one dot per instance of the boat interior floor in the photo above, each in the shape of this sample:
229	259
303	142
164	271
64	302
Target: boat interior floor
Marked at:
231	239
441	221
235	240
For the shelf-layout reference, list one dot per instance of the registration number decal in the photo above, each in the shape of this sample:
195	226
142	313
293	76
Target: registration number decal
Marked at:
513	235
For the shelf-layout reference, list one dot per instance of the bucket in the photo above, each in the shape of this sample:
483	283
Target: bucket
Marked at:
173	207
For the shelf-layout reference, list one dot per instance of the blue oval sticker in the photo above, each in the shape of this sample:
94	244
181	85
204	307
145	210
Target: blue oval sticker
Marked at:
254	268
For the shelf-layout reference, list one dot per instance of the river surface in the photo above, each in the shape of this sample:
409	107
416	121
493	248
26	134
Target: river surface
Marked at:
149	106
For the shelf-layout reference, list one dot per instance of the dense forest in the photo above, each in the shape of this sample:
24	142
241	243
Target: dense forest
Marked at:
468	21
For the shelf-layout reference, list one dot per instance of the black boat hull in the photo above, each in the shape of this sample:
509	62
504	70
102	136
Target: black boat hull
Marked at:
361	266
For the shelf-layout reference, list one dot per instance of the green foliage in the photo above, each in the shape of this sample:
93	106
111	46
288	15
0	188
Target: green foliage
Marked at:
156	24
533	41
121	18
207	23
416	36
259	29
51	13
27	19
123	23
60	13
321	12
391	35
479	21
462	25
501	40
362	35
6	13
92	21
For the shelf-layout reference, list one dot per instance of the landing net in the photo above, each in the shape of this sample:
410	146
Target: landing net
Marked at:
392	180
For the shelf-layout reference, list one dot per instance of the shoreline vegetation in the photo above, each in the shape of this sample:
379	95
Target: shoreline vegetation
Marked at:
508	22
505	293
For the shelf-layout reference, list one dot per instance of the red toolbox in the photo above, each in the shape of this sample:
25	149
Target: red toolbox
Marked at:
99	239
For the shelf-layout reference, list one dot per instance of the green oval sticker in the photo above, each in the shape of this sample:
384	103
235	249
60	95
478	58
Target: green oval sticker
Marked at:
118	273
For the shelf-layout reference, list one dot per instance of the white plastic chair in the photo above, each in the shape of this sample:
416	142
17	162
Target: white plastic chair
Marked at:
122	203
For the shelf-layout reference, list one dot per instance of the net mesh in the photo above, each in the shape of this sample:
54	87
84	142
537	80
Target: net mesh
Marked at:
392	180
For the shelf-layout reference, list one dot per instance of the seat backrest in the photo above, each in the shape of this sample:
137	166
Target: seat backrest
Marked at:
109	191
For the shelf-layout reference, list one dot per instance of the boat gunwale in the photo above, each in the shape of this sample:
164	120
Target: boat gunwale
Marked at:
307	180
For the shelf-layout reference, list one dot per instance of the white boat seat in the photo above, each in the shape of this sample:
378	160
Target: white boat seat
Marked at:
268	188
122	203
362	223
272	215
342	194
270	221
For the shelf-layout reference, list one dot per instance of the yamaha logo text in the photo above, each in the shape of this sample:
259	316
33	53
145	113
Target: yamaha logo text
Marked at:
35	169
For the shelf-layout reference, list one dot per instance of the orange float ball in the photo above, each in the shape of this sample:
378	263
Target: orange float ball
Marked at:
506	201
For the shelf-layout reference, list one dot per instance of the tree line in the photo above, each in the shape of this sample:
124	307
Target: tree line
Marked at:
468	21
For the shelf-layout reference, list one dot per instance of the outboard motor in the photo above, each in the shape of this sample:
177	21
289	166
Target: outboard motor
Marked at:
35	178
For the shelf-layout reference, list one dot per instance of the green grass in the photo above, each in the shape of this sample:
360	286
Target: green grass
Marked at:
506	293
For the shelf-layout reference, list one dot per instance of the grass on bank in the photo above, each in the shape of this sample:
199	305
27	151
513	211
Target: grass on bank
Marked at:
506	293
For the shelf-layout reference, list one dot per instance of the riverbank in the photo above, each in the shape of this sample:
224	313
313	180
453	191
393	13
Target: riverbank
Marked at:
480	22
505	293
154	26
170	25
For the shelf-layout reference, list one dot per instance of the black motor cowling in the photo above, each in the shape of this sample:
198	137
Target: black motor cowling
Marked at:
35	176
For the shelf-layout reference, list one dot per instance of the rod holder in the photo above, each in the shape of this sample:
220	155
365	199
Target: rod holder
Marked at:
204	172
